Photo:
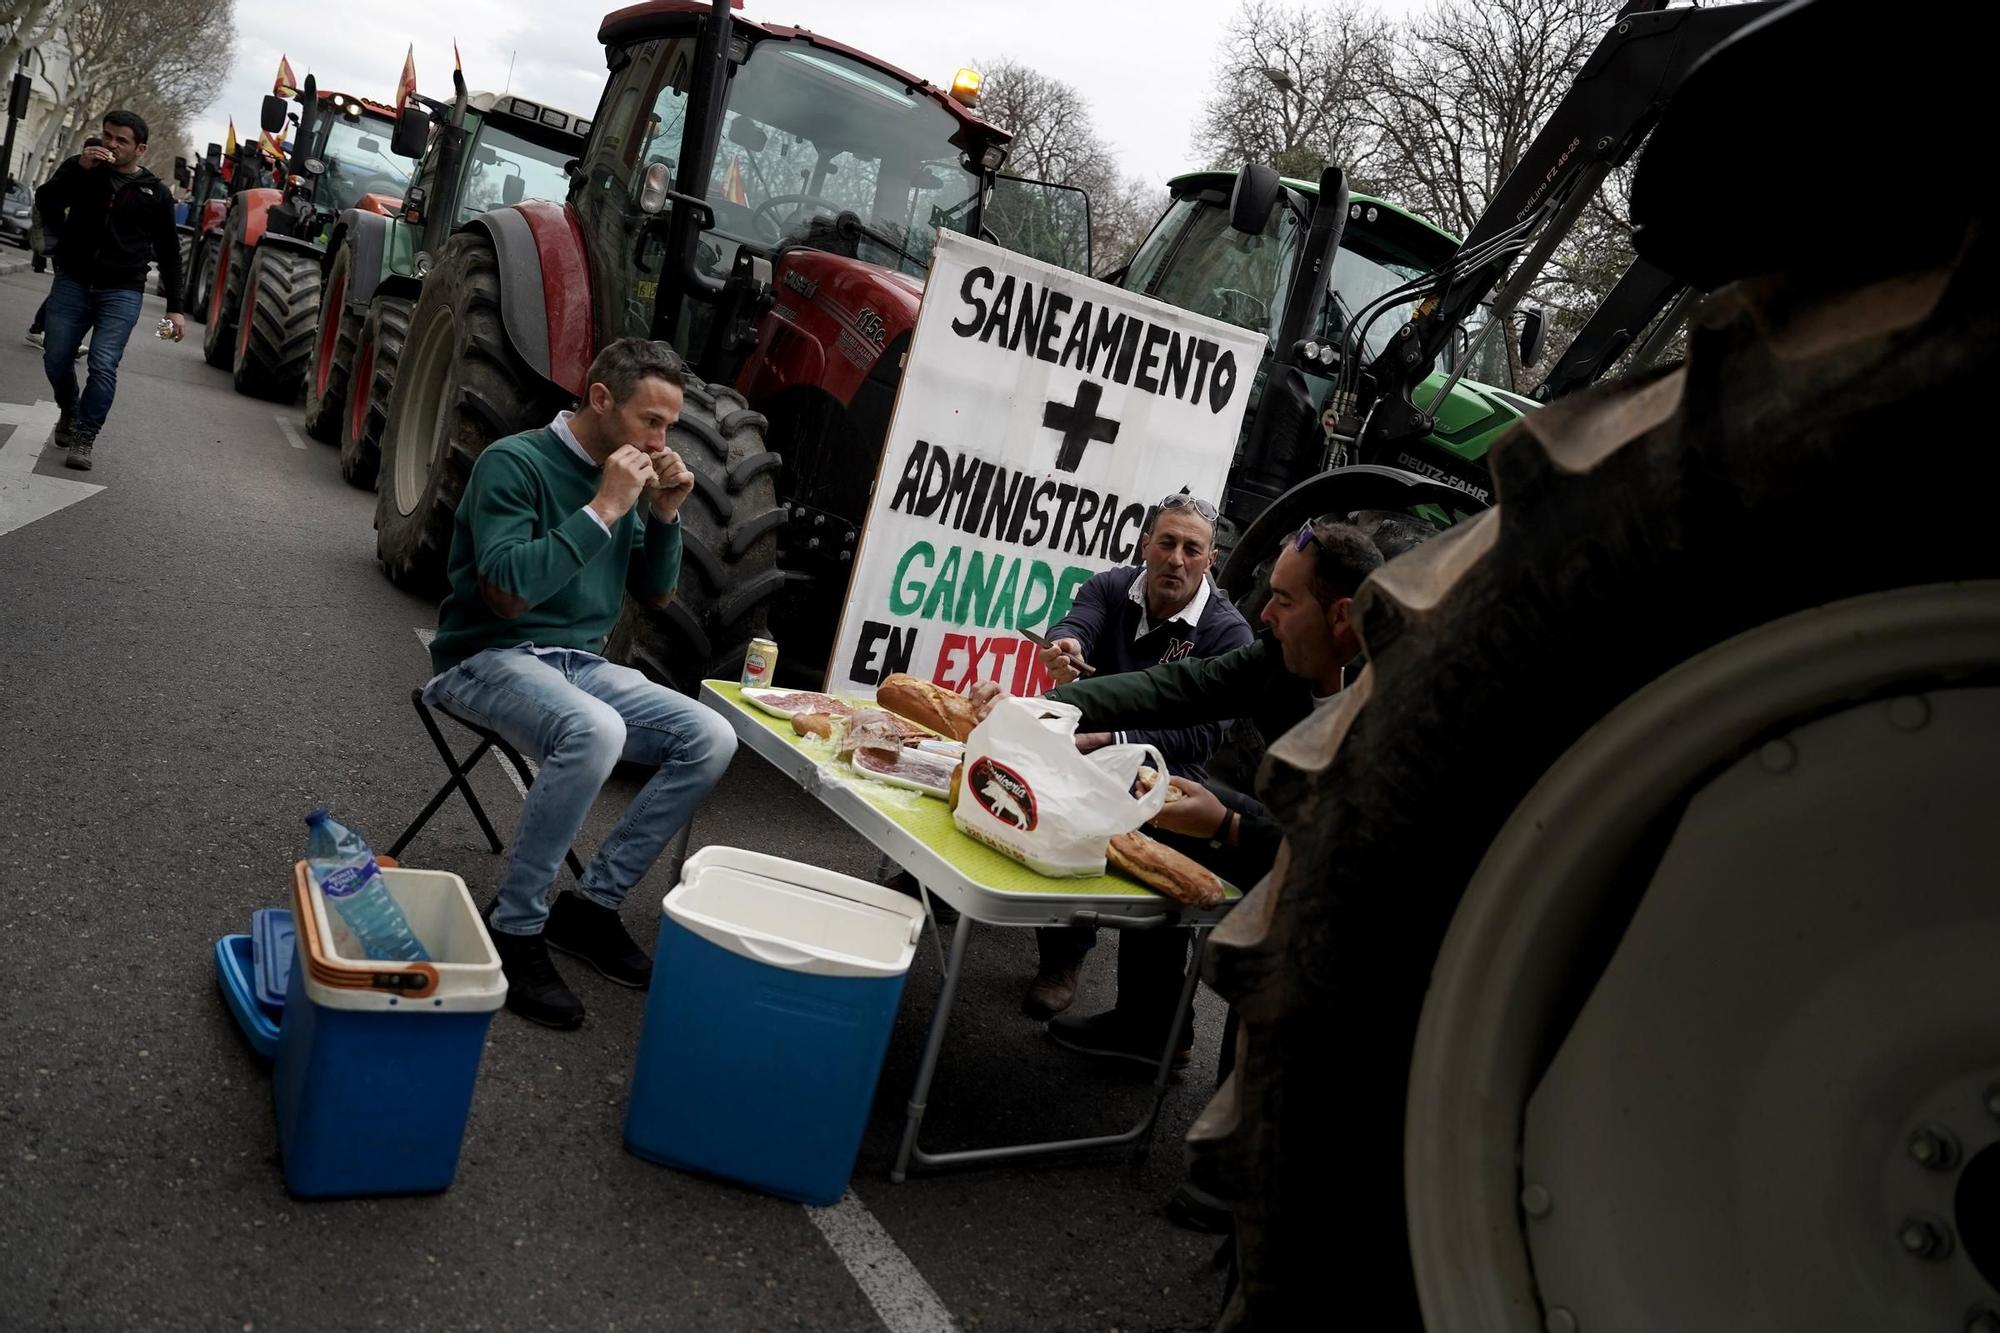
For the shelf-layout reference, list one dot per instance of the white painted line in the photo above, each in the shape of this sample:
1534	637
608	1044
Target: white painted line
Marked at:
892	1284
24	495
291	435
424	636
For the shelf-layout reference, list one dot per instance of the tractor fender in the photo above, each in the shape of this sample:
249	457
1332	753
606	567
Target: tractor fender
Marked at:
279	241
544	289
400	284
257	205
211	215
1340	489
366	236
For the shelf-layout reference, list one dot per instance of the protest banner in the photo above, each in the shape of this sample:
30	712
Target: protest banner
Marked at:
1041	415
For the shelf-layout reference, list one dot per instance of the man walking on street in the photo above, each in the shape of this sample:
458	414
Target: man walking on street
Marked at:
557	524
110	217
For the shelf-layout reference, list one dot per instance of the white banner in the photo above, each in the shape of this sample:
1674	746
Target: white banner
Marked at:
1041	414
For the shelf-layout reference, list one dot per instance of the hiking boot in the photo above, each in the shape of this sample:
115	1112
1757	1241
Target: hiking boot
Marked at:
587	930
1052	990
1114	1036
34	338
535	990
65	426
79	451
83	351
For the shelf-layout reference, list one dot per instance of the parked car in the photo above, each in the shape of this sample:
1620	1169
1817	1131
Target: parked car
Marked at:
17	215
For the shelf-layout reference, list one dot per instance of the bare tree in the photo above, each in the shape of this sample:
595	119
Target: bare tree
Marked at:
1056	141
1292	88
162	61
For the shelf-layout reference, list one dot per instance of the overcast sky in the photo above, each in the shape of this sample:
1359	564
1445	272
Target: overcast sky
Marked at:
1144	66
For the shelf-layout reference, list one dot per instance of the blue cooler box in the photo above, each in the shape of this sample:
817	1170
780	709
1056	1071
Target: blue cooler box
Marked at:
775	986
377	1061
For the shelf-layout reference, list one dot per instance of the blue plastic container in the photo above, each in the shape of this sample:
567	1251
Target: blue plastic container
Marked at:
271	943
235	975
377	1061
775	987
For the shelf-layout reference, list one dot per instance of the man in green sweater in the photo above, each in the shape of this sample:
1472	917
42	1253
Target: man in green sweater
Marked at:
556	526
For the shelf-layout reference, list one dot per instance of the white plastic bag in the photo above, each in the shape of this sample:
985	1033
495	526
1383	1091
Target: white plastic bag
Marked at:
1028	794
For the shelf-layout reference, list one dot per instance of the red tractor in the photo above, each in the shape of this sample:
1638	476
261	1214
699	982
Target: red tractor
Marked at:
766	200
262	265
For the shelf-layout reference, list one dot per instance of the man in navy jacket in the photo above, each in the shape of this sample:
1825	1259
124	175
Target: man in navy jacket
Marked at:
1129	619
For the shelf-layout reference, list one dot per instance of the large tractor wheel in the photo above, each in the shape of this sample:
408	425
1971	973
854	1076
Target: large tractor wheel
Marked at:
333	353
187	239
1691	746
225	296
729	549
458	388
366	412
202	276
274	339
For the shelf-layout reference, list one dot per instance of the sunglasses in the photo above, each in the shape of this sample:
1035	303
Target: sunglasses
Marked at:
1182	500
1307	537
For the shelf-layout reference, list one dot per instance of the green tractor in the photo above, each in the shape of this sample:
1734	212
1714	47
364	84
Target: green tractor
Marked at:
1388	378
263	262
478	152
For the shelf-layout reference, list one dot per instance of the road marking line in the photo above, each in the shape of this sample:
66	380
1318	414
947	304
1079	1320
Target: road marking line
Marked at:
892	1284
899	1294
24	494
424	636
291	435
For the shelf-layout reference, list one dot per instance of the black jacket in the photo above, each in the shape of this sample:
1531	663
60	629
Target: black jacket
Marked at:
109	226
1105	620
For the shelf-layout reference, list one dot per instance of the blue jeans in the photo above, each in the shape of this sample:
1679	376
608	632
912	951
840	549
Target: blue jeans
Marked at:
578	715
72	311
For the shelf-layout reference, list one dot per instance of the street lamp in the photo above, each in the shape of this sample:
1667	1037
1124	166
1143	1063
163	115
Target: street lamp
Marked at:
1278	79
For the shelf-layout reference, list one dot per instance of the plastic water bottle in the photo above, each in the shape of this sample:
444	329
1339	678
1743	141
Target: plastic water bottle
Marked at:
346	873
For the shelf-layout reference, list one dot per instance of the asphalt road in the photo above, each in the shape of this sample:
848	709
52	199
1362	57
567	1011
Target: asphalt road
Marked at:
190	659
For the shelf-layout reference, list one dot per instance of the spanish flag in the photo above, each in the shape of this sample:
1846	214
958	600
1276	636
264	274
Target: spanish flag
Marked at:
268	144
406	86
285	85
732	184
229	139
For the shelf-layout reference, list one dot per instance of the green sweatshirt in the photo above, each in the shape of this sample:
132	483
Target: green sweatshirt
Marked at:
522	543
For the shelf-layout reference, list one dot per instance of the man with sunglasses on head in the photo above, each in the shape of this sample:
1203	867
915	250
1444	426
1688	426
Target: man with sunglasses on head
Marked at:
1125	620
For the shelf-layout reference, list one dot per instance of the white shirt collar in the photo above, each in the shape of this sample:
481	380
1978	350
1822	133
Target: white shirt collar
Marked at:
1189	615
561	427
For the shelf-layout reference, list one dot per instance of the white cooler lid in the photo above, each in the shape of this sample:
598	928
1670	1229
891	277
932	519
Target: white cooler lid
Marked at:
801	927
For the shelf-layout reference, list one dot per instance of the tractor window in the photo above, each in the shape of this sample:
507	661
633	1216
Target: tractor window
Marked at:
504	169
1215	270
1357	280
358	162
812	137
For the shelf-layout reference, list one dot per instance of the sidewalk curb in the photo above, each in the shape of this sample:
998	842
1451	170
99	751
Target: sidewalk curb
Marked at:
14	266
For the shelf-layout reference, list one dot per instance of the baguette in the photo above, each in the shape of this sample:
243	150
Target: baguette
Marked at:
1165	870
929	705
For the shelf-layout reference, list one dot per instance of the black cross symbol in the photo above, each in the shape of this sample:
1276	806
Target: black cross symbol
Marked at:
1079	424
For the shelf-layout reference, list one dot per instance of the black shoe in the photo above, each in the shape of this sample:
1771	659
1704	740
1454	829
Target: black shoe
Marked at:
65	424
1196	1210
1113	1035
1052	991
535	990
594	933
79	451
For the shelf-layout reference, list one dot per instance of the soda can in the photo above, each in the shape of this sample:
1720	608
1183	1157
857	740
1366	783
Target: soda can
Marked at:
761	662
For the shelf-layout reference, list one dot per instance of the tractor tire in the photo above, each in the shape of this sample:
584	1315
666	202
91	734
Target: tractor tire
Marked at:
376	352
459	387
274	339
187	239
729	549
201	277
1635	529
225	296
333	353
